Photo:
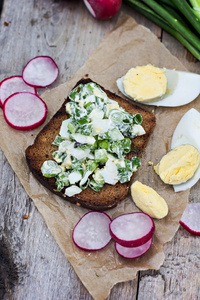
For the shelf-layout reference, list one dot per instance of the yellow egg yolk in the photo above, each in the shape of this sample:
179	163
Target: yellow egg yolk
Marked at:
145	83
178	165
148	200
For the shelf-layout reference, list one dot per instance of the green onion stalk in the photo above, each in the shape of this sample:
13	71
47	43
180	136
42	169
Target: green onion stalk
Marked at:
196	7
168	15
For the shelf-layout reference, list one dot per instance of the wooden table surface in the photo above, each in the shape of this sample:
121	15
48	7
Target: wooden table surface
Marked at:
32	266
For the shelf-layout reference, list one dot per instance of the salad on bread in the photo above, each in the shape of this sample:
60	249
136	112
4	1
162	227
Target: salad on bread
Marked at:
93	142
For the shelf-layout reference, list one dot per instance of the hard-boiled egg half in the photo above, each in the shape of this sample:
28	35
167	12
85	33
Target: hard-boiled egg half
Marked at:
160	87
180	167
188	132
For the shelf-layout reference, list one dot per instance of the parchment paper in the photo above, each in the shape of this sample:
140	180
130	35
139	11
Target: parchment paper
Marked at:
128	45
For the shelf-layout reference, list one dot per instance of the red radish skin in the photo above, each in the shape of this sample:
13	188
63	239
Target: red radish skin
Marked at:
133	252
190	218
12	85
133	229
103	9
40	72
24	111
92	233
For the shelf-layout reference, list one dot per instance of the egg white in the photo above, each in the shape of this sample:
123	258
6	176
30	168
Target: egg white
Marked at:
188	132
182	88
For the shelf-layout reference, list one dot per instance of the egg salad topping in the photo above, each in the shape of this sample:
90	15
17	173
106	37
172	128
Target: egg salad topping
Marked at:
93	142
145	83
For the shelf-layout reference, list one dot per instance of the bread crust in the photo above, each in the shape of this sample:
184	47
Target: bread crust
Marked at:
110	195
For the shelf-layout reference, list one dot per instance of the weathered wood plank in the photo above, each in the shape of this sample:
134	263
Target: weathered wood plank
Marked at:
32	265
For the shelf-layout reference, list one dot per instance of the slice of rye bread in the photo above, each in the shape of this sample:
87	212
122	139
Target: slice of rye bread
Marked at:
110	195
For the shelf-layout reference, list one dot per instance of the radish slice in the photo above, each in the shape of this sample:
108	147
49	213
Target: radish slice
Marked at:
92	231
40	71
190	218
132	230
24	111
133	252
12	85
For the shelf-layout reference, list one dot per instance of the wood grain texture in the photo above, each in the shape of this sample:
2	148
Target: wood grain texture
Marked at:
31	264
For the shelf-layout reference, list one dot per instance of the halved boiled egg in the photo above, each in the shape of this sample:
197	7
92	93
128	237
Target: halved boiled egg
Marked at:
178	165
145	83
188	132
159	87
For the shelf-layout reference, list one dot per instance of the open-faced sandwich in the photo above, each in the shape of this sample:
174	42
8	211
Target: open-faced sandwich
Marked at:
90	149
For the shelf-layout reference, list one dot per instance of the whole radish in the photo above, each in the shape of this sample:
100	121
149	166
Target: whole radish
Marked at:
103	9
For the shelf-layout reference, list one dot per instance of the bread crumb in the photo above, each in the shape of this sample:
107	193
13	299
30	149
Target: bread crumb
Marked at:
150	163
7	23
26	217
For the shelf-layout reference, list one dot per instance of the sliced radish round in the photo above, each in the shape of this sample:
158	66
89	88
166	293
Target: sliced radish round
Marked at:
132	230
190	218
92	231
133	252
40	71
24	111
12	85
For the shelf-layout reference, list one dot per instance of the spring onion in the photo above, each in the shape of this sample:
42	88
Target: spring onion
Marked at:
179	18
